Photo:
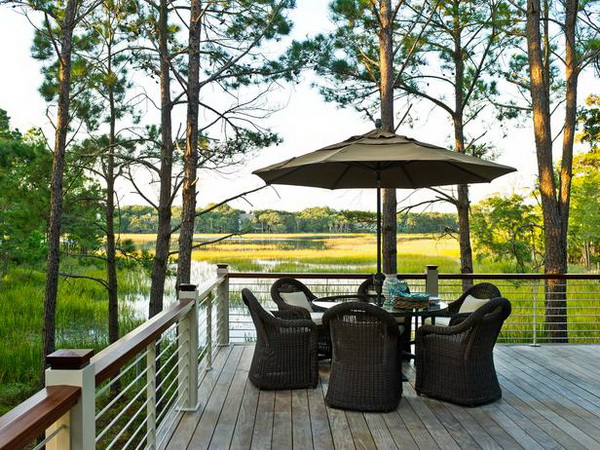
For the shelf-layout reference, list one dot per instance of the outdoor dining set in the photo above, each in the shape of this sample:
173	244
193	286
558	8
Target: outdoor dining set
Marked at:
364	339
365	342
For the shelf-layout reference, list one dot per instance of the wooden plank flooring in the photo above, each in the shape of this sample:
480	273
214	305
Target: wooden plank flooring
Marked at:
551	400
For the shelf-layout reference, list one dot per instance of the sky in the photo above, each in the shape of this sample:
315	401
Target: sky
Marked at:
305	124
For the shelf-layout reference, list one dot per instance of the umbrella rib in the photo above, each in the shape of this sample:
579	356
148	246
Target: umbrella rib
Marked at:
284	174
470	173
407	175
340	177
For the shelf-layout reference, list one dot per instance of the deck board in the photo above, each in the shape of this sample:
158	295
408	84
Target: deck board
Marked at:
551	400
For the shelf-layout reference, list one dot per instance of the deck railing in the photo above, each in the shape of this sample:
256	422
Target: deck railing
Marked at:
132	393
528	322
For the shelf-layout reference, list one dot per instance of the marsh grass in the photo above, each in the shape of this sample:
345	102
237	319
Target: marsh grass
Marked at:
81	322
338	253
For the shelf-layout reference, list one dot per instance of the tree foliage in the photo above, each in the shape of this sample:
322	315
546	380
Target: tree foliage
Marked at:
507	230
225	219
25	168
584	219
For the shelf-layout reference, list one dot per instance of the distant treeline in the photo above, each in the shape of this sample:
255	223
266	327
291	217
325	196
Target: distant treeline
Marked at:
224	219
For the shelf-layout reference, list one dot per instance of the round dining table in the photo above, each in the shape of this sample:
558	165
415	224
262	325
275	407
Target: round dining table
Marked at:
431	310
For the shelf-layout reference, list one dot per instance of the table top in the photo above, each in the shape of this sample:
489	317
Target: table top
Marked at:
431	309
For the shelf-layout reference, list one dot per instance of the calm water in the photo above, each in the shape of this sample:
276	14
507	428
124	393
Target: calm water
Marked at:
295	243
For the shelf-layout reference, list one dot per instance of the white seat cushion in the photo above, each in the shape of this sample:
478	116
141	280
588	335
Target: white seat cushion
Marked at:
471	304
317	317
441	321
296	299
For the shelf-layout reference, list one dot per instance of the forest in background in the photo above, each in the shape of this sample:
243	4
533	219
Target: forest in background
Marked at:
224	219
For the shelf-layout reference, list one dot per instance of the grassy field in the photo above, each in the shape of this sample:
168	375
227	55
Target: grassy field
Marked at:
81	322
319	252
356	253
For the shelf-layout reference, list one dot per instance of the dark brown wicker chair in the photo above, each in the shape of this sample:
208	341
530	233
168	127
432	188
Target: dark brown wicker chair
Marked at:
366	289
453	316
456	363
365	293
286	285
365	370
285	355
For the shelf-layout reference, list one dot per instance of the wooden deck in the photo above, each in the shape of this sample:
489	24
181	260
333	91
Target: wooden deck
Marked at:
551	400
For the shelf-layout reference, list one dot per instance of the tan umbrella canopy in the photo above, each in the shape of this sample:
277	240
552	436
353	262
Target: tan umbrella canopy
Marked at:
380	159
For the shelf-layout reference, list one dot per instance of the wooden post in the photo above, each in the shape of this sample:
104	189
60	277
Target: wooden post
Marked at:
188	349
431	281
73	368
223	306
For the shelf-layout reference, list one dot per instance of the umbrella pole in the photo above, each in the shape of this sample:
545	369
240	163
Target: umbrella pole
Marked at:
377	280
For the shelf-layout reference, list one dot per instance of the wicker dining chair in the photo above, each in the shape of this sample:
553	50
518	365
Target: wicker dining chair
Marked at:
291	294
456	363
366	289
365	369
472	298
365	293
285	354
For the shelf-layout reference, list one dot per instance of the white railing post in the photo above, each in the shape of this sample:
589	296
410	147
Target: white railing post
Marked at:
431	280
209	335
188	349
534	342
223	306
73	368
151	395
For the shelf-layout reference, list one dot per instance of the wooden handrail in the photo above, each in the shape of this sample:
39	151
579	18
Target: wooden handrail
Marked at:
208	286
112	358
24	423
422	276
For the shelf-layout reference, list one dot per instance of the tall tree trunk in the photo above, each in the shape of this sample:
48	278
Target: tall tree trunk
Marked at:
111	260
386	88
163	236
56	184
463	203
188	211
555	243
572	76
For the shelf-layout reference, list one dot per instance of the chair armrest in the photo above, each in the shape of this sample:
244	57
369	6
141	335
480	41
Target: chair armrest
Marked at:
297	309
449	330
458	318
291	323
292	313
454	307
464	323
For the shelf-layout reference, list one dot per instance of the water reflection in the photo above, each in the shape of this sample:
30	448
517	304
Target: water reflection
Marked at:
241	326
311	242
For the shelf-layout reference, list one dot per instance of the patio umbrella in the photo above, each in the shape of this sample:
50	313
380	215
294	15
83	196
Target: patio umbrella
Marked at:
380	159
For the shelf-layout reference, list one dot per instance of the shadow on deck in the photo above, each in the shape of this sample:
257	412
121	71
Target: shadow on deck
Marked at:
551	399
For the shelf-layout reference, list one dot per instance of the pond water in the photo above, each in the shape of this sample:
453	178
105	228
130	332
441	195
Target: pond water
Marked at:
138	302
311	242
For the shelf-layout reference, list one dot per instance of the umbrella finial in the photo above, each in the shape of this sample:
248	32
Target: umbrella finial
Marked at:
378	123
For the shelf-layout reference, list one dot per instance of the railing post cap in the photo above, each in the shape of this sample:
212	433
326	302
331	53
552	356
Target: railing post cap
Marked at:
431	266
66	359
187	287
222	265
